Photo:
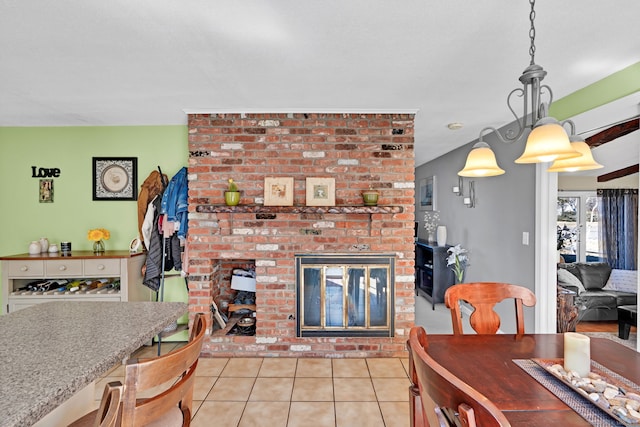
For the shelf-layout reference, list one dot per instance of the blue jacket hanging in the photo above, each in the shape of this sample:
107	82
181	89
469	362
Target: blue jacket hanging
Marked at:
175	202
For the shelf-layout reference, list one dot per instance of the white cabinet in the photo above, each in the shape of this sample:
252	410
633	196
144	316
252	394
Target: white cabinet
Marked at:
20	270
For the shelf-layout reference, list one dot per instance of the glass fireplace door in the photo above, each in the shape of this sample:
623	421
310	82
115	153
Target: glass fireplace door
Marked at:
337	299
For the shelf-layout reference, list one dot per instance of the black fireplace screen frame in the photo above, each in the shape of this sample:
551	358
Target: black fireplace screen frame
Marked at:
370	264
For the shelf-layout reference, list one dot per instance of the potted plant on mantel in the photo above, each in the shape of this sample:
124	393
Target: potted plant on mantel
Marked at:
232	195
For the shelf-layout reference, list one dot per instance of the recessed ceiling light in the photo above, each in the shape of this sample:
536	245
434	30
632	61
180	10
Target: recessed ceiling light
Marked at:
455	126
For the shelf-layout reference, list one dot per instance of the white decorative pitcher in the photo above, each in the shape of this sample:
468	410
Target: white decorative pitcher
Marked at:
441	235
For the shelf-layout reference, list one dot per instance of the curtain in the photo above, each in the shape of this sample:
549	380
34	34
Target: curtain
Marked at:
619	227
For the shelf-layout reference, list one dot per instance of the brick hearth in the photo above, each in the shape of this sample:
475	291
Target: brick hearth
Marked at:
360	151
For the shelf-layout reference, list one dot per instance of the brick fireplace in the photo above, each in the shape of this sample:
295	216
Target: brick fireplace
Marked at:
360	151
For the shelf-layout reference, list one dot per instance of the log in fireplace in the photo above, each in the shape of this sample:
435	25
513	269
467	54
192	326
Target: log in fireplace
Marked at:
345	295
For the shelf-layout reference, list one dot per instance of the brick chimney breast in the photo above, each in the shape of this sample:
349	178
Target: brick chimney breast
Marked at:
360	151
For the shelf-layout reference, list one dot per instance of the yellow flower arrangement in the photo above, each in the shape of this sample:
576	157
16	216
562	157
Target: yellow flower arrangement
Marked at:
98	234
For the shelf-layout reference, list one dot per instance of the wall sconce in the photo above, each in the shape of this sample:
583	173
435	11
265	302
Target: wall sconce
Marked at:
457	190
470	201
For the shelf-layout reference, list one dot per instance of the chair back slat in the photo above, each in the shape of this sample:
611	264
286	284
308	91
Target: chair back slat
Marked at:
447	400
147	410
173	374
483	296
109	405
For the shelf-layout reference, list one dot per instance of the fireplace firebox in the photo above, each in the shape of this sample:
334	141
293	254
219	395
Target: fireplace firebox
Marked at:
345	295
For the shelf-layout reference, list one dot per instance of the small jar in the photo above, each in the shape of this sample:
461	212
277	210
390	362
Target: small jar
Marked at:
53	248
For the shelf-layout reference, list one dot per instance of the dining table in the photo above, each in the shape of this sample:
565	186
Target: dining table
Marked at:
493	365
52	353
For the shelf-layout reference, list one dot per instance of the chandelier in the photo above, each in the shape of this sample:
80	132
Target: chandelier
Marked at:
548	140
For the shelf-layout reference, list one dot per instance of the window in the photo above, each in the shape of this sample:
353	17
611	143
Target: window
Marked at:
578	223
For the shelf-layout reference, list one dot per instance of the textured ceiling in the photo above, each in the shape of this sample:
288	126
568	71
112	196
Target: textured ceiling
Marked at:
146	62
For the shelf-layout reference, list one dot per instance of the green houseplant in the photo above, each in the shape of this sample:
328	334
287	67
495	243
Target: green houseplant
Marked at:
232	195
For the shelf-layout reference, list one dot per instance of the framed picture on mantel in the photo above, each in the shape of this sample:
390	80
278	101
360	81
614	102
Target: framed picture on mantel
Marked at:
428	193
321	191
278	191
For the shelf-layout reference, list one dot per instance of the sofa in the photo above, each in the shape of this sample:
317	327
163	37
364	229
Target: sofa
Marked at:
599	288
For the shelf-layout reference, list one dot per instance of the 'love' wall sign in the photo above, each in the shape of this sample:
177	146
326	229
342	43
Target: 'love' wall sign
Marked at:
37	172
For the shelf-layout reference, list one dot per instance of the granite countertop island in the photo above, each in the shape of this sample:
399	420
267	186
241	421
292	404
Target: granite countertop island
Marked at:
50	351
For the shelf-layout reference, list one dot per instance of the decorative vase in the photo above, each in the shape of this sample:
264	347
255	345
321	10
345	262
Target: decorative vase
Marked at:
431	237
232	198
98	246
441	235
370	197
35	248
44	244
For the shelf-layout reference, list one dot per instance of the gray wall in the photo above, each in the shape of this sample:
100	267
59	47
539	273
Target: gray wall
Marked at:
492	230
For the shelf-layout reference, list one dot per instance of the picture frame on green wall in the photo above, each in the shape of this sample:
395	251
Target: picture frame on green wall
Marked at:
46	191
115	178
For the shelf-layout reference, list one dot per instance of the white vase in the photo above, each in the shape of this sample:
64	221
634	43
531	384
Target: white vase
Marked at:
441	235
35	248
44	244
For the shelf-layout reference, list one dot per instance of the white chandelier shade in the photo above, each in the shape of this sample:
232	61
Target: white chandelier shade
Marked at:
575	164
481	162
548	141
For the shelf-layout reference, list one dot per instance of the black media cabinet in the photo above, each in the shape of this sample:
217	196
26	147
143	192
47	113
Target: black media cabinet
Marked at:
433	277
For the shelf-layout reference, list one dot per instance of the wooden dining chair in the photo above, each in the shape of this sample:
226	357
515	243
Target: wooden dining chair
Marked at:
169	379
483	296
443	399
416	417
170	406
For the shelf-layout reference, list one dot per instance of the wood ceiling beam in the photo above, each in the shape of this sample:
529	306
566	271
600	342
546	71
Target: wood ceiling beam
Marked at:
615	131
619	173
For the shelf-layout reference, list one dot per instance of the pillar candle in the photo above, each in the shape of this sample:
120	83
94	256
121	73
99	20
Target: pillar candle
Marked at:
577	353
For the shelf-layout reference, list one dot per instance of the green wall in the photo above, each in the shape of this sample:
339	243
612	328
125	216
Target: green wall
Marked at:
73	212
613	87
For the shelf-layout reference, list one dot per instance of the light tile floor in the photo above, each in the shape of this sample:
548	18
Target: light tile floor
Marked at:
292	392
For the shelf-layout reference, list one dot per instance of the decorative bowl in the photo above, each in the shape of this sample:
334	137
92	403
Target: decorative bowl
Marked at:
370	197
246	321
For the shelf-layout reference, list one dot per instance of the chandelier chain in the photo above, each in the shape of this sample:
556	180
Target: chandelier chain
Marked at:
532	32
